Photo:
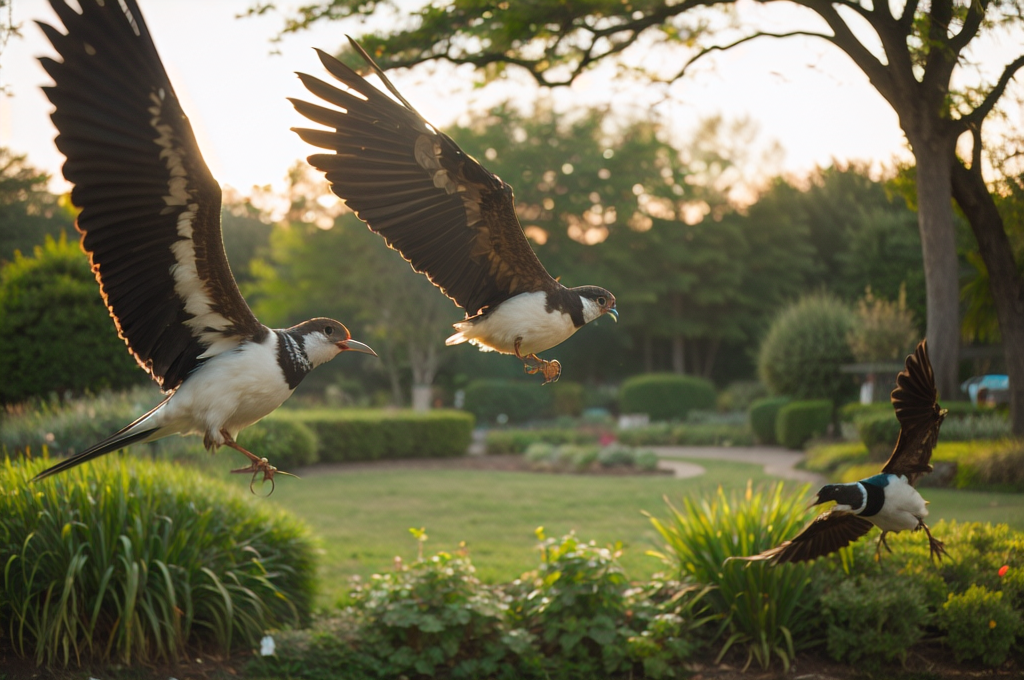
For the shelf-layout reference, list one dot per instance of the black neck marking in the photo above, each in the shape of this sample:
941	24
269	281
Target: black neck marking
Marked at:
564	300
291	357
875	501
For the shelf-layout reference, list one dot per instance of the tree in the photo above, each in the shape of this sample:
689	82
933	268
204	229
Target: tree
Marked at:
909	56
28	212
56	334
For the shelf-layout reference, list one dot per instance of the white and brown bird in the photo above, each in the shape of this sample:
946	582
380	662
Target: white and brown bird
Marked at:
446	214
150	223
887	500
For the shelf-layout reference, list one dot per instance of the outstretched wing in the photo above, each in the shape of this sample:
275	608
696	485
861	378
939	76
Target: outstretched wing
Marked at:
448	216
150	209
920	417
829	532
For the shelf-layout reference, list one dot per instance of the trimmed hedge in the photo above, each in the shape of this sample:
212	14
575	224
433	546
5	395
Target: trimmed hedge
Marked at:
517	399
352	434
666	396
285	443
801	420
518	441
878	431
763	414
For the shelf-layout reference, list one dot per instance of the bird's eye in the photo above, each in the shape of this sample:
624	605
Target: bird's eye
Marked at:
328	330
601	301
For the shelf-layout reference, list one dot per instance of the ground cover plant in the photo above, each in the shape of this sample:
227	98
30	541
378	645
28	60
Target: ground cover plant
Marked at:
580	459
136	562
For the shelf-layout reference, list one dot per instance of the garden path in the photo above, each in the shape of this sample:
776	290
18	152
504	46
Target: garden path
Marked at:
777	461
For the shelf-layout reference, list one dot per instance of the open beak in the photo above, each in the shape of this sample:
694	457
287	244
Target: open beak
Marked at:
354	346
615	314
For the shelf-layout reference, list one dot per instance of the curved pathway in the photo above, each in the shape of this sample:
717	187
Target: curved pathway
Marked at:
777	461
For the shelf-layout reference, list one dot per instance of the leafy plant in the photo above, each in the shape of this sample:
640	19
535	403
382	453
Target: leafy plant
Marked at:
800	421
133	562
518	400
687	434
518	441
769	609
286	443
980	625
666	396
763	415
884	331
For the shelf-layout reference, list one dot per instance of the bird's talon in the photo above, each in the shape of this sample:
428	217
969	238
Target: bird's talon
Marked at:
268	471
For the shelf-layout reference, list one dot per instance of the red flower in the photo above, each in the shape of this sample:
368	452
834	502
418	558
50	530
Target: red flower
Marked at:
1003	569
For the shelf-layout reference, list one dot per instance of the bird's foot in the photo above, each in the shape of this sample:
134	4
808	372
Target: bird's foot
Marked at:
533	364
936	548
878	548
257	466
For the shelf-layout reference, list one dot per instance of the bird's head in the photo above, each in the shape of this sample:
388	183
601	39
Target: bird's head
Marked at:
847	495
597	302
324	339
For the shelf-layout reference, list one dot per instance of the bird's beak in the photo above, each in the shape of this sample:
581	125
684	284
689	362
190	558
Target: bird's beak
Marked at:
615	313
354	346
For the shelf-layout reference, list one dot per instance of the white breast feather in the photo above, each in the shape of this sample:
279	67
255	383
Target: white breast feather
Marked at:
521	316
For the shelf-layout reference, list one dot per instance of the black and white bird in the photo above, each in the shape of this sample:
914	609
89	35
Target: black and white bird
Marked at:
887	500
446	214
150	223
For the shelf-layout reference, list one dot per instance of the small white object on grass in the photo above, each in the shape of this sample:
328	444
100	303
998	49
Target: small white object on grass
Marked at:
267	646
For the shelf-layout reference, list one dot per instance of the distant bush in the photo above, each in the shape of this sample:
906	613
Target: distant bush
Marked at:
570	458
517	399
286	444
980	625
56	334
139	562
800	421
763	414
738	396
971	427
804	348
687	434
568	398
666	396
830	459
878	431
349	435
518	441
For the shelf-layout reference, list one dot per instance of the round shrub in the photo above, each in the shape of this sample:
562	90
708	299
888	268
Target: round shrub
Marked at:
286	444
567	398
980	625
878	431
519	400
763	414
136	562
800	421
55	332
666	396
804	348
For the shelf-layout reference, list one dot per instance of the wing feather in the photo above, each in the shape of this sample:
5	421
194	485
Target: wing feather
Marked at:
915	403
829	532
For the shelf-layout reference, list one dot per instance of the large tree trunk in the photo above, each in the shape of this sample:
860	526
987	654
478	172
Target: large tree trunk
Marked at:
1004	280
941	269
678	354
423	360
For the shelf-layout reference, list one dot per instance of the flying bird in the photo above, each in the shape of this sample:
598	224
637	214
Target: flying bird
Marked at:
446	214
150	223
887	500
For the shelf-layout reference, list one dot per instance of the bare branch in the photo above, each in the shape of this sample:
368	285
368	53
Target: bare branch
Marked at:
972	22
722	48
975	117
907	19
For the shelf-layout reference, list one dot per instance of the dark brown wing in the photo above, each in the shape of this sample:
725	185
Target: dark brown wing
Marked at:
449	217
150	218
920	417
829	532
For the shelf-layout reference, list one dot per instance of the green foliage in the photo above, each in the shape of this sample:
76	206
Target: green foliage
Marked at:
874	620
286	444
55	332
567	398
830	459
518	400
981	426
351	434
799	421
29	214
763	415
575	603
979	624
770	609
666	396
687	434
878	431
136	562
740	395
518	441
884	331
804	348
571	458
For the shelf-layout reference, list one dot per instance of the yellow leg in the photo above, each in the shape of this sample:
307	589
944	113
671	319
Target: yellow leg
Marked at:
534	364
258	465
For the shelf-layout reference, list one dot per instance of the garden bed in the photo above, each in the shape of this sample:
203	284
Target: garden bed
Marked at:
497	463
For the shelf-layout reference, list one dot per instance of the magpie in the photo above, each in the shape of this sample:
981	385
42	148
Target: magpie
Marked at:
449	217
150	224
887	500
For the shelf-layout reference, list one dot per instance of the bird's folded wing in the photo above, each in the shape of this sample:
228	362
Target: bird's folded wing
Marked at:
914	400
829	532
448	216
150	209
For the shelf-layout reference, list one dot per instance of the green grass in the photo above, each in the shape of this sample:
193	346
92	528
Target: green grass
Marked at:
363	517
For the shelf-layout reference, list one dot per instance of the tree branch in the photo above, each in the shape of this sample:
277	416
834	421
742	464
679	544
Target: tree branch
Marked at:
972	22
974	118
906	21
723	48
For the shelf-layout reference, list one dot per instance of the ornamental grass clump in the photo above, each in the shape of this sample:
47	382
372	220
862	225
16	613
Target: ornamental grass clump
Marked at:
769	609
138	562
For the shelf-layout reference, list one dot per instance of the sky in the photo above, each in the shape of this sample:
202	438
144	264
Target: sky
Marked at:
803	93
